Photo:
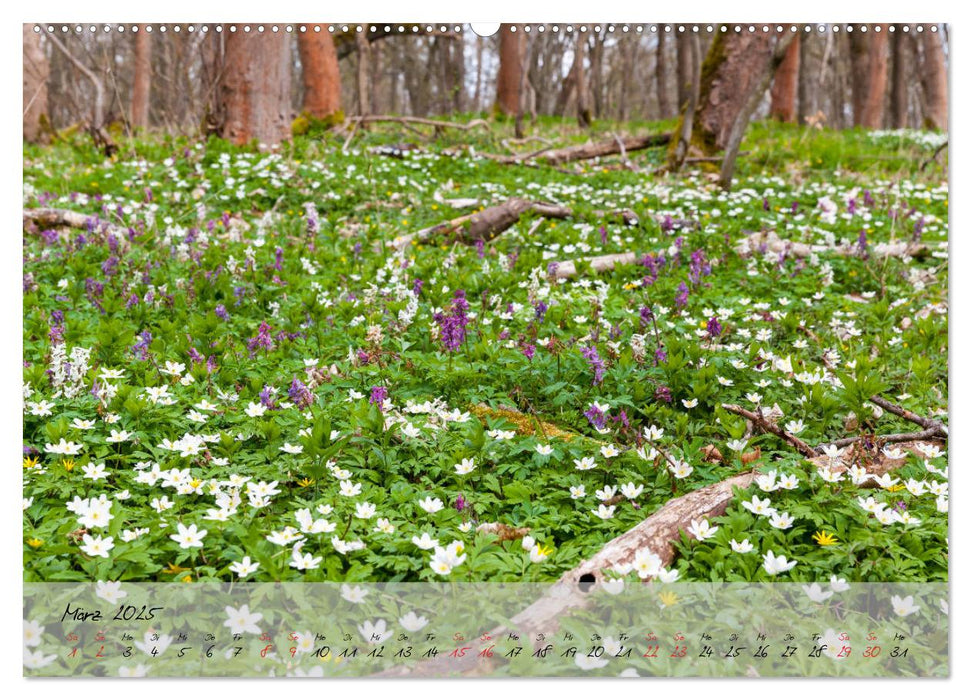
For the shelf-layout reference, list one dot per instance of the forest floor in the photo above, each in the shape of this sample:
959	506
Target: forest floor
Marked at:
235	365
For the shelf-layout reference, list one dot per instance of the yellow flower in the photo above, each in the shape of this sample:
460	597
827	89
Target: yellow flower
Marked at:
34	542
68	464
174	569
824	539
30	462
187	578
896	487
668	598
305	482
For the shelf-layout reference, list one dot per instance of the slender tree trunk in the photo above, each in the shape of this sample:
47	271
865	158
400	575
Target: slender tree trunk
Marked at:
596	72
785	84
37	70
584	117
508	80
254	91
661	72
363	72
479	48
321	76
686	72
142	83
876	87
934	80
807	102
898	81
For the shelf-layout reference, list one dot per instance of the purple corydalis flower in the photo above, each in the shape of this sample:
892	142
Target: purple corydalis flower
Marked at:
662	393
141	347
266	397
300	394
596	417
460	503
221	312
416	287
647	317
529	350
262	339
681	298
378	396
667	224
195	356
452	325
660	357
541	308
603	235
596	364
714	327
861	244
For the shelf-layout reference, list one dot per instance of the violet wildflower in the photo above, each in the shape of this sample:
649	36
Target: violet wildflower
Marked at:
529	350
141	347
667	224
603	235
861	245
266	397
416	287
262	339
378	396
867	198
460	503
662	393
647	317
714	327
452	325
660	356
541	308
221	312
195	356
596	417
596	364
299	394
681	298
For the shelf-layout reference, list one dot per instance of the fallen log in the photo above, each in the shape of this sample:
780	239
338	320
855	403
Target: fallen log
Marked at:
437	123
491	221
571	591
769	241
927	423
601	263
586	151
47	218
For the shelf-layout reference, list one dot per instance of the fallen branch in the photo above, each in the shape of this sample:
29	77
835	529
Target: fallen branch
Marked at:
928	423
769	241
587	151
930	434
769	427
491	221
937	152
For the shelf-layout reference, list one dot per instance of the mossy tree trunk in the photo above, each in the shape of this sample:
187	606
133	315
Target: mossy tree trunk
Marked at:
37	70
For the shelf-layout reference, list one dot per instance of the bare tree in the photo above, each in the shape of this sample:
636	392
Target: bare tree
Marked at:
321	75
872	114
142	82
898	79
37	70
253	99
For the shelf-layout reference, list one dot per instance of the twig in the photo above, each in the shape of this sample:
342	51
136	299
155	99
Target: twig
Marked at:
767	426
928	423
930	160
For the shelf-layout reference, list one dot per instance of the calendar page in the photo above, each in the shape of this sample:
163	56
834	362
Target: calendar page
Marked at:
398	350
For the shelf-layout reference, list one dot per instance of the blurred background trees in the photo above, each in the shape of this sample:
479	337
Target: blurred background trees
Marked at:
245	85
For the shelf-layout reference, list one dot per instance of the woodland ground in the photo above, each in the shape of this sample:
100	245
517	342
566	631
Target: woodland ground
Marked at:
230	371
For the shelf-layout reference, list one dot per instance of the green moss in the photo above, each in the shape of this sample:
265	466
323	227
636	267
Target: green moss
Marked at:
308	125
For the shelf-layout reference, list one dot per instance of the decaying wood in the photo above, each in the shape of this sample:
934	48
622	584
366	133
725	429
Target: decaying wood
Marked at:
587	151
769	241
601	263
65	218
768	426
503	532
571	591
491	221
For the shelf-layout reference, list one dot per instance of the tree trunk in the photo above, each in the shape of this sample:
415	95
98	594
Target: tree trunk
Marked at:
584	118
661	73
479	48
36	72
254	91
807	102
142	83
898	81
508	80
363	72
785	84
686	72
934	81
876	81
738	66
321	76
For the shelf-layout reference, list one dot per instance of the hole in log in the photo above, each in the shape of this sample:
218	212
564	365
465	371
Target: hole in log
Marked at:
587	582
